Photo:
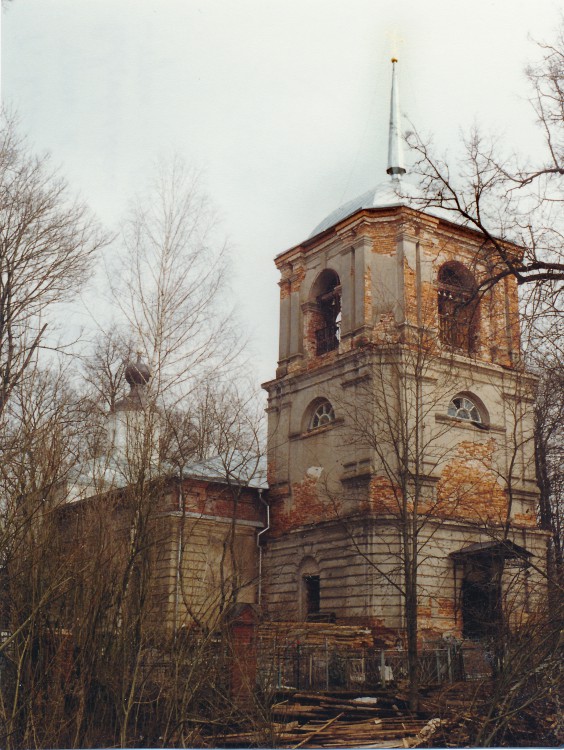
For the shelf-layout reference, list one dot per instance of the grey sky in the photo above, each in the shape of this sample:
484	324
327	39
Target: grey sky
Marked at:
283	103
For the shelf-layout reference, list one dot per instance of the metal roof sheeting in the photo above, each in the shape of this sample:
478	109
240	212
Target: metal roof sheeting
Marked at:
387	194
237	468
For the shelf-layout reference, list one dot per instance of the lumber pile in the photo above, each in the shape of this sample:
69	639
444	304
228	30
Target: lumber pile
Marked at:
317	720
316	634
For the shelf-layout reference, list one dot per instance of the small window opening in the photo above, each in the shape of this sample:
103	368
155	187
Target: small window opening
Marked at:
463	408
312	595
323	414
458	308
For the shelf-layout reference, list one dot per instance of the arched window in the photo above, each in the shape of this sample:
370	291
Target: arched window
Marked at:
458	308
462	407
326	294
322	414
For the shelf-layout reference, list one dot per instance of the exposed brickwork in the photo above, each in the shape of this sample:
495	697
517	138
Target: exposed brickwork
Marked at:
498	340
510	294
285	288
385	330
219	500
410	293
271	472
313	322
524	519
382	496
367	296
383	234
306	505
469	488
291	280
437	617
493	337
464	495
445	607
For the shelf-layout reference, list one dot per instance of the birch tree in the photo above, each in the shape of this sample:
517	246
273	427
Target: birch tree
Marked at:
171	284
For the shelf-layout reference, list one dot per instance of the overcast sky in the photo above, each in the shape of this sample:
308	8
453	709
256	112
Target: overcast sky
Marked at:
282	103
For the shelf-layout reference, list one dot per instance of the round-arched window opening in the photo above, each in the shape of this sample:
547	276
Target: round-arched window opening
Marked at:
326	298
458	307
323	414
461	407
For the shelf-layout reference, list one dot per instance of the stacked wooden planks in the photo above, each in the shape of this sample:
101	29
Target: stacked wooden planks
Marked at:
316	634
308	720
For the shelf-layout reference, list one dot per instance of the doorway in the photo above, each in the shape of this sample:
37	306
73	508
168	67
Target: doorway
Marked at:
480	600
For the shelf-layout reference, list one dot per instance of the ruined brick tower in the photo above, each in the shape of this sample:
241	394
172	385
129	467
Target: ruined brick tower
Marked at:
400	426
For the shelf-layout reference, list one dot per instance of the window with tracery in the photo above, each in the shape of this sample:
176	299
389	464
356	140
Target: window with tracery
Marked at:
461	407
323	414
458	308
327	313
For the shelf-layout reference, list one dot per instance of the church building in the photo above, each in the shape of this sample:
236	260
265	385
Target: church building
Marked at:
400	444
401	489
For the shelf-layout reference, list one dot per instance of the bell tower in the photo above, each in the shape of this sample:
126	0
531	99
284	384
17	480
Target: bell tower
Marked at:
398	396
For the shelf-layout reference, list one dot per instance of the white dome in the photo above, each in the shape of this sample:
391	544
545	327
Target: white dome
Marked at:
387	194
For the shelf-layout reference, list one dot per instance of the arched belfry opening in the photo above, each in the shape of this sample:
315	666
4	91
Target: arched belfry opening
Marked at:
458	307
325	312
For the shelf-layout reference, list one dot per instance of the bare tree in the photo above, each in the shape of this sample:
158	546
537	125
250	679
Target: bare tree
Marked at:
549	434
47	244
104	368
92	650
41	443
171	286
392	414
516	208
92	538
506	199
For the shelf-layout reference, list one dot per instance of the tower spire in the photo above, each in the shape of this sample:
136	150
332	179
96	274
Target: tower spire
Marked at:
395	151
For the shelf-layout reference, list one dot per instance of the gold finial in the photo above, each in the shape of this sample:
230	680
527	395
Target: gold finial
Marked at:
394	59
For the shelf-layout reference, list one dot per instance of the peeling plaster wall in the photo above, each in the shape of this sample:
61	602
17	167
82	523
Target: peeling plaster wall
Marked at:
359	562
474	479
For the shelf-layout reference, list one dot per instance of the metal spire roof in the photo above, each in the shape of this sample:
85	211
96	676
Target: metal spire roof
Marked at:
388	193
395	151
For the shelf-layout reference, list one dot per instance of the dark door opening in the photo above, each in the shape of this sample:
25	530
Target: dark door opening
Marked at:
480	600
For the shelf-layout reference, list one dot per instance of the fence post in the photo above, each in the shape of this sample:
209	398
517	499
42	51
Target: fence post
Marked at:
298	665
383	668
449	662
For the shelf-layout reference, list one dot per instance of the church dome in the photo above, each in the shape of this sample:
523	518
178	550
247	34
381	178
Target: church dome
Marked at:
137	373
387	194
